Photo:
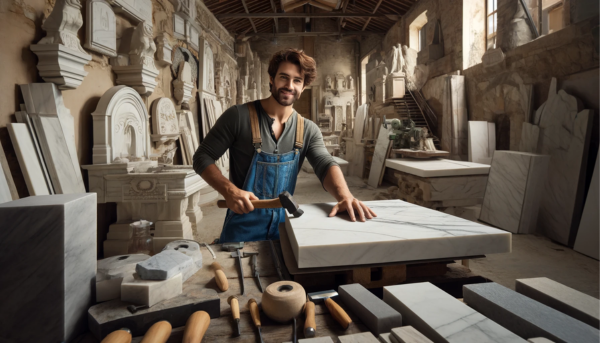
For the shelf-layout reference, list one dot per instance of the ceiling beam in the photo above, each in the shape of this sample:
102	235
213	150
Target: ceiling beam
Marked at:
290	6
276	20
309	34
375	10
303	15
341	19
251	21
322	5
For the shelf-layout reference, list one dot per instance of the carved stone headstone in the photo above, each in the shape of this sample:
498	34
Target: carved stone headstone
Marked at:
101	28
165	125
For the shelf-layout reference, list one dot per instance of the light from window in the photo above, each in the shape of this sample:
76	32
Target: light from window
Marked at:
552	17
492	23
422	38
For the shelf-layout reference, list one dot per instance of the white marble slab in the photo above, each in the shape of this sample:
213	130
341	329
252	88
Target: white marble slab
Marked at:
400	232
530	136
443	318
8	191
514	190
454	119
359	122
149	292
587	241
436	167
55	130
482	141
101	28
24	118
28	159
48	245
379	155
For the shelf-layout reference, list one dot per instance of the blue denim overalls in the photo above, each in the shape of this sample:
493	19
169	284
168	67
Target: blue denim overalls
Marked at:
268	176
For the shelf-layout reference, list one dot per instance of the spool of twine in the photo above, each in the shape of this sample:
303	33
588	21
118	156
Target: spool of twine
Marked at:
283	300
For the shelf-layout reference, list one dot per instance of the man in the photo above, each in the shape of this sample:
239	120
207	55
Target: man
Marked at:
267	142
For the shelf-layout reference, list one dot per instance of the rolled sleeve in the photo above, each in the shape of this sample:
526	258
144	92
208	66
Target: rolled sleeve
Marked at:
316	153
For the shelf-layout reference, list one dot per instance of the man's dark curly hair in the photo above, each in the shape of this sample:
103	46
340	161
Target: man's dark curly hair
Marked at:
307	64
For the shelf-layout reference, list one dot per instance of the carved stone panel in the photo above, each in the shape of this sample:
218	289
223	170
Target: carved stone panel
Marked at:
141	190
339	117
207	77
101	28
165	126
138	10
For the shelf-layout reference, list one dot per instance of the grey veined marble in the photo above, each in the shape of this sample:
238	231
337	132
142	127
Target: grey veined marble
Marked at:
48	259
166	265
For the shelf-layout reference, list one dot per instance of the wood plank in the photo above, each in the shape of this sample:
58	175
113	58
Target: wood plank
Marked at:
275	20
246	9
375	10
299	15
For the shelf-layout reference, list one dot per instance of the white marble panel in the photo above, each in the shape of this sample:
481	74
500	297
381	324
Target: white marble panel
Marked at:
55	130
379	155
400	232
514	189
138	10
359	122
101	28
28	159
48	247
8	191
482	141
454	120
436	167
24	118
587	240
443	318
530	135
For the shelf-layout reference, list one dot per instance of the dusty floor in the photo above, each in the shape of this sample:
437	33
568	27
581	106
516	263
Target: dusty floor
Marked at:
532	256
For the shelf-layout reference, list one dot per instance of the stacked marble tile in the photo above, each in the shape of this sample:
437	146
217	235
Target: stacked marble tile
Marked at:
48	259
482	141
514	189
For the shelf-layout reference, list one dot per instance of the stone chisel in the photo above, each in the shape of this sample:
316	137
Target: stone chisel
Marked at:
235	313
336	311
235	248
255	313
255	271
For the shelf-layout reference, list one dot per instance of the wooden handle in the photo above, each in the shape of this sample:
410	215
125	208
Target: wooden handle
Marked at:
158	333
119	336
196	327
270	203
220	277
235	307
254	312
338	313
310	316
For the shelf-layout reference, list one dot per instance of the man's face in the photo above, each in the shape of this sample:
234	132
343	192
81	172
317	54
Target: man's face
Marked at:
288	84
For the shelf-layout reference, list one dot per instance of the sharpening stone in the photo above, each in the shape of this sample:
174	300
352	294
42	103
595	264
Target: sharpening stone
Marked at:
165	265
526	317
378	316
110	273
150	292
363	337
408	334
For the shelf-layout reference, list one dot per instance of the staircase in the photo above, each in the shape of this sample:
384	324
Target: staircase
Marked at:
414	106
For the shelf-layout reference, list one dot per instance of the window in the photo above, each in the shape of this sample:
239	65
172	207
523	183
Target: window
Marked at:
552	16
417	32
422	38
492	23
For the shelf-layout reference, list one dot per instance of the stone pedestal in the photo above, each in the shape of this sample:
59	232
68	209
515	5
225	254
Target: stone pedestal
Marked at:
395	86
48	259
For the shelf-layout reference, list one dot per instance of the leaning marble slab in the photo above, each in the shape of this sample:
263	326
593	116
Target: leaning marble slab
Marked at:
401	232
55	130
526	317
436	167
514	191
48	260
24	118
587	241
8	191
482	141
28	159
379	155
530	136
441	317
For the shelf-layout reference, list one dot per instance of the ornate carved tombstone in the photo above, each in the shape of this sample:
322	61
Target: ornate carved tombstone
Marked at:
165	125
101	28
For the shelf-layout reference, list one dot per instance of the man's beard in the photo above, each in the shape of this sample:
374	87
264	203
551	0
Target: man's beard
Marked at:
279	97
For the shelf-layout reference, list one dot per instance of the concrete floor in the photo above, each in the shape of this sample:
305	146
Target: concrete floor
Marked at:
531	256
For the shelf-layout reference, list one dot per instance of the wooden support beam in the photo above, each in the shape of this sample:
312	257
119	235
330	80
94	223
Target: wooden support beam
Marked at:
301	15
276	20
375	10
247	12
322	5
313	34
290	6
341	19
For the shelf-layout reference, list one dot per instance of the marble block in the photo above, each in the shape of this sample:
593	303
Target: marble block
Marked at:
187	247
363	337
29	162
587	240
436	167
101	28
110	274
379	156
441	317
562	298
394	86
48	245
378	316
325	339
482	141
530	136
408	334
514	190
526	317
385	338
149	292
165	265
401	232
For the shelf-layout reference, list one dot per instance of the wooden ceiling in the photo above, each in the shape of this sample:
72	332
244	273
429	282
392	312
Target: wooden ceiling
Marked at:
259	17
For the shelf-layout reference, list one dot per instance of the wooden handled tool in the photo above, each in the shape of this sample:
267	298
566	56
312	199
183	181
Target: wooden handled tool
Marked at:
338	313
119	336
158	333
284	200
235	312
196	327
220	277
255	313
310	325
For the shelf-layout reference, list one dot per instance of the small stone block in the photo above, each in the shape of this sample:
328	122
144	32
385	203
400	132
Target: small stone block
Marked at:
150	292
186	247
526	317
562	298
363	337
165	265
385	338
325	339
110	273
408	334
539	340
378	316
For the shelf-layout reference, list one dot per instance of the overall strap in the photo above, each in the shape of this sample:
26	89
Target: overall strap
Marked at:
299	132
255	125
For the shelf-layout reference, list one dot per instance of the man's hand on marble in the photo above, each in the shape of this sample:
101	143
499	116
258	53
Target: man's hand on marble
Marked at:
352	205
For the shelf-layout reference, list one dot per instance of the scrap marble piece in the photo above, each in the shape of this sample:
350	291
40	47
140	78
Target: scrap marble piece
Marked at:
363	337
587	240
149	292
562	298
163	51
189	248
110	274
408	334
48	245
530	136
526	317
380	153
28	159
378	316
165	265
400	232
482	141
55	130
443	318
514	191
436	167
101	28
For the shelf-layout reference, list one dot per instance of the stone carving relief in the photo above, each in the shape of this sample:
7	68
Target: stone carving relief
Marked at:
183	86
208	74
350	82
328	84
163	50
138	10
340	82
164	121
101	28
339	117
60	56
395	60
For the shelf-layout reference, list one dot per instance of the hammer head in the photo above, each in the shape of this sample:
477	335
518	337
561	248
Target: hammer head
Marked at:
289	204
320	296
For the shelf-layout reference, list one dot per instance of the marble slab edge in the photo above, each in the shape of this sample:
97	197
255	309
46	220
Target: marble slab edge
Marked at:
141	321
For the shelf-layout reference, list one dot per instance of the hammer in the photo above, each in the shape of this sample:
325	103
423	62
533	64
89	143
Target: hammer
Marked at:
284	200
